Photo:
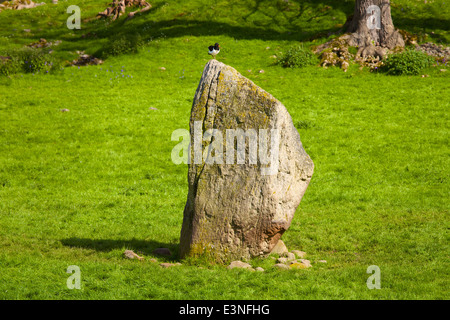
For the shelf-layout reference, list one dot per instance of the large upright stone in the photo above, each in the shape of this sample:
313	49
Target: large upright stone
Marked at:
238	210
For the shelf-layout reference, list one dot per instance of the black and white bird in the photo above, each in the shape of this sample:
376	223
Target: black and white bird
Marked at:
214	50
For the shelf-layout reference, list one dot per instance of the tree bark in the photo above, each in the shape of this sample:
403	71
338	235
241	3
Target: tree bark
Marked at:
372	28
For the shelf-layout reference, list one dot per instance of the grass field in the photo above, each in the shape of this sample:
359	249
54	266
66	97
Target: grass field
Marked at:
80	187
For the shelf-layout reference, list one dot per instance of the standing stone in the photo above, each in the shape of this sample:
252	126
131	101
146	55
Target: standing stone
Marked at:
239	208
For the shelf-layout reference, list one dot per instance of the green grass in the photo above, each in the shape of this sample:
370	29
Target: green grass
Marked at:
80	187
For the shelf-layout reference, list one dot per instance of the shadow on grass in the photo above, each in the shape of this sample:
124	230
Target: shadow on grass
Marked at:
98	35
141	247
419	25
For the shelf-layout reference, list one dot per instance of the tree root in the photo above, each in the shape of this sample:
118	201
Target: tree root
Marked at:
117	8
336	53
19	4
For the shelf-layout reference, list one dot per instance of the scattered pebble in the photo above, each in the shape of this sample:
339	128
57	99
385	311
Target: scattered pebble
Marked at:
434	50
129	254
282	260
289	255
307	263
239	264
299	254
281	266
298	266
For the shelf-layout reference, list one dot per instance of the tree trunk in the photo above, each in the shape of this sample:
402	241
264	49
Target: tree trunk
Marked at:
372	28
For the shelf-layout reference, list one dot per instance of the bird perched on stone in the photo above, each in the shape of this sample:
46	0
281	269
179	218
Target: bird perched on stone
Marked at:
214	50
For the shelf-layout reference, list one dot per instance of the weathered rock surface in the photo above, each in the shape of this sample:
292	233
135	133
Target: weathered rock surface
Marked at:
280	248
234	210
